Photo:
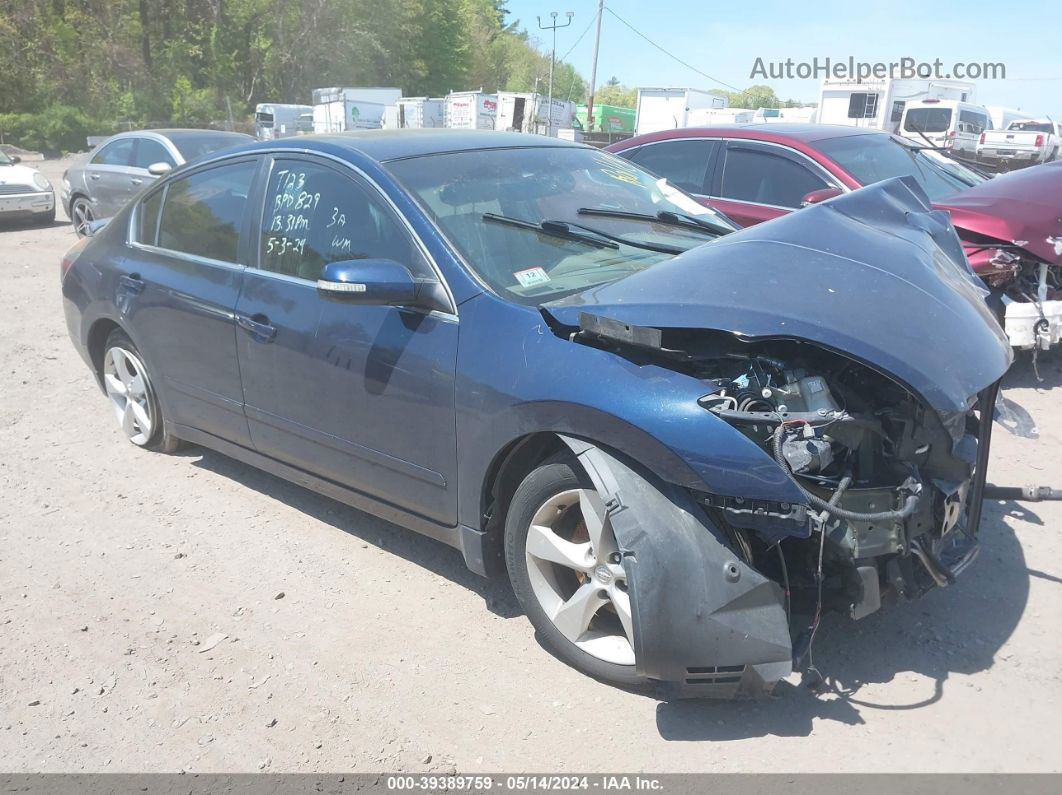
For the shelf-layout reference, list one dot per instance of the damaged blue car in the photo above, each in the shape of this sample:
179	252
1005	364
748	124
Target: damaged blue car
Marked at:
682	443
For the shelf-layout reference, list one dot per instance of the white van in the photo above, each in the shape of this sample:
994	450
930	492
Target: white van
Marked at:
946	123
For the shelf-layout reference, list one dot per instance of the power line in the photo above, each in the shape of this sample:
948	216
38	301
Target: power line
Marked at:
572	48
670	55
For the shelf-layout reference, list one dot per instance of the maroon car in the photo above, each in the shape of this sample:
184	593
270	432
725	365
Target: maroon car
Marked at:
1011	226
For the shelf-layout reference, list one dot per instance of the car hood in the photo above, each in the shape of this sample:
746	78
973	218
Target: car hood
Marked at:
876	274
1024	205
18	175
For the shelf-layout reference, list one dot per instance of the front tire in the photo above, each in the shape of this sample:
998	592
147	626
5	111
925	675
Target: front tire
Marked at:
132	396
564	564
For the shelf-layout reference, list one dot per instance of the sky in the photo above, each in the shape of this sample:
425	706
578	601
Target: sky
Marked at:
724	39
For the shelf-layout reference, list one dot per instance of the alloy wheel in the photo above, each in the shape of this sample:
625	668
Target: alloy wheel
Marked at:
573	563
127	389
82	216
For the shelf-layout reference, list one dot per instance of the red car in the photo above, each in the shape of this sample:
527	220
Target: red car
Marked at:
1011	226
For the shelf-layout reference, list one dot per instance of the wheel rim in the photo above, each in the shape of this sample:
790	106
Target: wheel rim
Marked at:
574	566
126	384
82	217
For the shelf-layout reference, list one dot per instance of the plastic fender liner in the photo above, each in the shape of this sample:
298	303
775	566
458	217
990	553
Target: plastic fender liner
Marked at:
706	624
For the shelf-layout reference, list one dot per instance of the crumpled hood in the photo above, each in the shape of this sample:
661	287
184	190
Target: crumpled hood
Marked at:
1024	205
876	274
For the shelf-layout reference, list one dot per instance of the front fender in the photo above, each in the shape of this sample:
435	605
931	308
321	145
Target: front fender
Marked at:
527	380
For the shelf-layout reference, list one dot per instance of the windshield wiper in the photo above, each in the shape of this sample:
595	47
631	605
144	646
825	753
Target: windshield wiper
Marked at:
553	229
666	217
588	235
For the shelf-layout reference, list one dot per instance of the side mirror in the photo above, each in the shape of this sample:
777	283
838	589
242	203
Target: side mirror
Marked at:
820	195
369	281
15	160
158	169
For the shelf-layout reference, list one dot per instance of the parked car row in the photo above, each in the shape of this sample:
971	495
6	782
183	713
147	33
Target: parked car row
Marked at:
1010	226
682	441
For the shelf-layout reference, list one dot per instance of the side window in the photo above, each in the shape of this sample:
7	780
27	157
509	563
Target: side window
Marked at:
203	212
897	110
685	164
147	218
760	177
313	215
116	153
149	151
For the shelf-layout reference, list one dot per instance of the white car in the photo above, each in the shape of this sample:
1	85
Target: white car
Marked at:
25	193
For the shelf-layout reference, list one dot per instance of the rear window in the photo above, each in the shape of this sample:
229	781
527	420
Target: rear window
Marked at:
1031	126
928	120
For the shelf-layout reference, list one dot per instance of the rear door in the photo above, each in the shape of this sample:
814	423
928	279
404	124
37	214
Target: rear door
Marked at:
107	176
179	288
758	182
359	395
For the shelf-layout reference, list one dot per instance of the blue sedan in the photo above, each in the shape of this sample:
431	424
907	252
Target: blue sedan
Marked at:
682	443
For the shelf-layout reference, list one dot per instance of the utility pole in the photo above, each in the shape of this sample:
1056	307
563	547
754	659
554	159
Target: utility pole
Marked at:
553	59
593	68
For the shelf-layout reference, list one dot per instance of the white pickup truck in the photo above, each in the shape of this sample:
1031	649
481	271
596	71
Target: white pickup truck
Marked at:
1024	142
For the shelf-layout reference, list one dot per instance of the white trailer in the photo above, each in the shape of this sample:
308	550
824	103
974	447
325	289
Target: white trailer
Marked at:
1002	117
341	109
529	112
471	110
710	117
273	120
414	113
670	108
879	104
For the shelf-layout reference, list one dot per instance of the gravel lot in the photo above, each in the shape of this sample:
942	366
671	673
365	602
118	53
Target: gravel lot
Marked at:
352	644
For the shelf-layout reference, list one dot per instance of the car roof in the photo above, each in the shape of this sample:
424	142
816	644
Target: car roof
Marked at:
780	132
386	145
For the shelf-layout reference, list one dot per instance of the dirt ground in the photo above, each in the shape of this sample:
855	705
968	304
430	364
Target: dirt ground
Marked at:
348	644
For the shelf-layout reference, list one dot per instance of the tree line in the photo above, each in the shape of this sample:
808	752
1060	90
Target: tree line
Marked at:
72	68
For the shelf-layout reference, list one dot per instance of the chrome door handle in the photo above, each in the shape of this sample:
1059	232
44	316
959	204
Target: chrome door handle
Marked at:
257	326
94	176
137	181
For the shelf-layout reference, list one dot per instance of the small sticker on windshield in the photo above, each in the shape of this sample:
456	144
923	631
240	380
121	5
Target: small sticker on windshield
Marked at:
531	277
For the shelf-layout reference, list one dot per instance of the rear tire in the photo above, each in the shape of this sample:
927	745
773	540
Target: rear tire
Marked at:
132	395
564	567
81	215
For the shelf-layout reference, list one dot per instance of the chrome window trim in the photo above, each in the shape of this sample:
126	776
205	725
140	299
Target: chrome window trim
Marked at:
186	257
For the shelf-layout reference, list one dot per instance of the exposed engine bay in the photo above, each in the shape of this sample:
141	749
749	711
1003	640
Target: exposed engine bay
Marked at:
892	501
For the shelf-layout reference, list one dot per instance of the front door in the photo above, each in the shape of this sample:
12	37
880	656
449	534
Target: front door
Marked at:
360	395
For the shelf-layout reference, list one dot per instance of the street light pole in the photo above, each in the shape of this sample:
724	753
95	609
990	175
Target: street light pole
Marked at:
593	69
553	60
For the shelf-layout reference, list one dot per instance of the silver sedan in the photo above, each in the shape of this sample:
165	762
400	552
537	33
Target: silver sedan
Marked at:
100	183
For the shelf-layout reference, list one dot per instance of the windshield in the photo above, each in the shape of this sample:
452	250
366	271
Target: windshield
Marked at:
928	120
872	158
475	197
197	144
1031	126
4	159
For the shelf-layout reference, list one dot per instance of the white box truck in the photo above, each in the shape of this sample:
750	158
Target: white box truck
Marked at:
879	104
415	113
529	112
341	109
670	108
471	110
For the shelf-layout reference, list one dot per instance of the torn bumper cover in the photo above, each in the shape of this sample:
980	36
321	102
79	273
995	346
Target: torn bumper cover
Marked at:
706	624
